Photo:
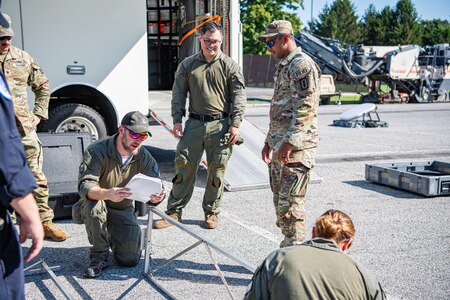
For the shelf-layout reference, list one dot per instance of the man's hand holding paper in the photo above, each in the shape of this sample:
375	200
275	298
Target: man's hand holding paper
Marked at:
146	189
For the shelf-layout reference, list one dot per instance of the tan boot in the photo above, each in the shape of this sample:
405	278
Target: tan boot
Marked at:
211	221
53	232
162	223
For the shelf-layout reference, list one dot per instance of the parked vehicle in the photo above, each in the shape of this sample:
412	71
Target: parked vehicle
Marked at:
96	53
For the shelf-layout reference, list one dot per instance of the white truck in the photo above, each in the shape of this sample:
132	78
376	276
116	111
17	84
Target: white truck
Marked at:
101	57
97	54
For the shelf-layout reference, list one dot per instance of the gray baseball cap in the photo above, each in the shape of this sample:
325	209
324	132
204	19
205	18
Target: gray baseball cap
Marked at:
5	25
136	121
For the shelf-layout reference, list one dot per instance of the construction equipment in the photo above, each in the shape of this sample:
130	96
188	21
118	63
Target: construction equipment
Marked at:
412	73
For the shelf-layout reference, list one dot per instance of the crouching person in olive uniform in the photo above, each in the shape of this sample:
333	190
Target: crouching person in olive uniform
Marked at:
104	207
316	269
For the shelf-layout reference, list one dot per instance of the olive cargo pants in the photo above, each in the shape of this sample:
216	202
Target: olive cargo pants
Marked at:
199	137
34	153
289	183
107	227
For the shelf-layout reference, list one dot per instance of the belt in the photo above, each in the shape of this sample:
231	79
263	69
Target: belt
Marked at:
208	118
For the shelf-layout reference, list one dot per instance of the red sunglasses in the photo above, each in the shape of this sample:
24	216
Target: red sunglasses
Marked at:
135	135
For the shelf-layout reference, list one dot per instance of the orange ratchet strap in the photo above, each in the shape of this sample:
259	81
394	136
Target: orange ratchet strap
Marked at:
215	18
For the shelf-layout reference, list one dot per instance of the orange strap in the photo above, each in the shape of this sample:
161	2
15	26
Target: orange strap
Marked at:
215	18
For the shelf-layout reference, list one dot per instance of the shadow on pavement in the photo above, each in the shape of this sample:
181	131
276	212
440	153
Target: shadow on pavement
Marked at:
382	189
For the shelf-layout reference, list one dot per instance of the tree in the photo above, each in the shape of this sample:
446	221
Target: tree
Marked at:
435	31
339	21
256	14
376	24
387	23
407	29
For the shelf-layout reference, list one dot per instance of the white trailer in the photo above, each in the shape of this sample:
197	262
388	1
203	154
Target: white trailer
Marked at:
94	54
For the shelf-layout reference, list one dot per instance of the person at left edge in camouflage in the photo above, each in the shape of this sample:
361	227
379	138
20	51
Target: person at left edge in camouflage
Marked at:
21	71
292	135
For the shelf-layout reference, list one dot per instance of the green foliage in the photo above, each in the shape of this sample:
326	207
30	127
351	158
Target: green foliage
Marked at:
339	21
398	26
435	32
406	28
256	14
375	25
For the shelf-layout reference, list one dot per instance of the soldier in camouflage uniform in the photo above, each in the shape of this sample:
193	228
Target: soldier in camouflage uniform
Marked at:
21	71
292	135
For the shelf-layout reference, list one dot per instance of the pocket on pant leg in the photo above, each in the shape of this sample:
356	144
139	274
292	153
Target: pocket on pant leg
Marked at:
125	236
77	216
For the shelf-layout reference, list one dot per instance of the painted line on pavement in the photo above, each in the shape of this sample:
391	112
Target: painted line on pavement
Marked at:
256	229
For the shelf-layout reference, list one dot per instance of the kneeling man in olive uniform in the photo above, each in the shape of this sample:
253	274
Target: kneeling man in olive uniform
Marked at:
104	207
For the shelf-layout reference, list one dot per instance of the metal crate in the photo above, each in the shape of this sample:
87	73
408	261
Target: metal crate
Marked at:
428	178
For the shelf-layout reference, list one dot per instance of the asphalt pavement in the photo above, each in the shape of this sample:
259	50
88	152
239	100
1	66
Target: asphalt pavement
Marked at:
403	238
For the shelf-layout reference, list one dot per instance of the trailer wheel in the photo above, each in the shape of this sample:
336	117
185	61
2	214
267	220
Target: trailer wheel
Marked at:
74	117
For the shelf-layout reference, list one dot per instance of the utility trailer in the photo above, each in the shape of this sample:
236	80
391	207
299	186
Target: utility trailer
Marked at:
94	54
428	178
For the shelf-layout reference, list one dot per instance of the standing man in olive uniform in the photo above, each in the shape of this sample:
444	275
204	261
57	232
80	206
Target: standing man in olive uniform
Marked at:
16	185
21	71
292	135
104	207
216	107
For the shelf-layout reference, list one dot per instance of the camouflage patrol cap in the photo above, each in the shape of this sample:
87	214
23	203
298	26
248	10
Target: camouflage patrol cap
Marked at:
276	27
137	122
5	26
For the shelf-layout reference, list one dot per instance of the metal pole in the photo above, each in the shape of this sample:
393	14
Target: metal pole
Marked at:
219	249
148	240
311	21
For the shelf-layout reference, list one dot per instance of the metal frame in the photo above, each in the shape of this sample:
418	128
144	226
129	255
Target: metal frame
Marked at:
42	267
366	120
148	272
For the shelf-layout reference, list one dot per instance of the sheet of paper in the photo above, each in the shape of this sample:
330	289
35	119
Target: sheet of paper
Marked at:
143	186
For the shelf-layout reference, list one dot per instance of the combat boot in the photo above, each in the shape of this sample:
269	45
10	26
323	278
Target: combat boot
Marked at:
163	223
53	232
95	268
211	221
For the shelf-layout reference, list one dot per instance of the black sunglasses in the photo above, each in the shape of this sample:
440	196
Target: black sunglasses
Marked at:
4	38
271	42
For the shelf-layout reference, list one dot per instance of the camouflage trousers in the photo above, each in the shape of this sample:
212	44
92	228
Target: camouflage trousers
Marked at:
34	153
289	183
107	227
200	137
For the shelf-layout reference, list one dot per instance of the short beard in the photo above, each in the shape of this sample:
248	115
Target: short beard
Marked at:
123	141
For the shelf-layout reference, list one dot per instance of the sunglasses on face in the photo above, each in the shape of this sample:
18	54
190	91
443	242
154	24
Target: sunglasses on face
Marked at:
271	42
4	38
135	135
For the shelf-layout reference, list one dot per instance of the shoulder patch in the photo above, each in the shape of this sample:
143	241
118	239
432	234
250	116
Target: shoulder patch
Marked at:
304	84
